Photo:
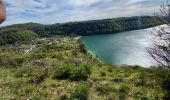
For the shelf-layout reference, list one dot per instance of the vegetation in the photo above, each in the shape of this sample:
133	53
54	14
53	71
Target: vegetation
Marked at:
36	67
67	71
95	27
11	36
58	68
81	92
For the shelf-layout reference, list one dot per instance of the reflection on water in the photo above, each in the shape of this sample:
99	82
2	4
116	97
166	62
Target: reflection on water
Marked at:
121	48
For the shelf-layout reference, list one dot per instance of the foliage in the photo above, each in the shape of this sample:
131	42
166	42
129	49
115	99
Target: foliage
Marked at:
95	27
10	60
63	72
81	73
124	89
39	77
28	75
105	89
11	36
68	71
80	93
25	81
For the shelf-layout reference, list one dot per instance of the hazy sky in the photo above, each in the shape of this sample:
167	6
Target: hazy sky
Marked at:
59	11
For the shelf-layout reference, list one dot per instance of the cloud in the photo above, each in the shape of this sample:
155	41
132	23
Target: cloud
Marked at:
59	11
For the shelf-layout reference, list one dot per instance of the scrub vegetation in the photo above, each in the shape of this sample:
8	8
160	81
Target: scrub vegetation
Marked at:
37	64
59	68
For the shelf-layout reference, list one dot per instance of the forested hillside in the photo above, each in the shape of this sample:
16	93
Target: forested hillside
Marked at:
94	27
14	35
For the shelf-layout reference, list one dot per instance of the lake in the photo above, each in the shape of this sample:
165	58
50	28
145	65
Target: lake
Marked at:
121	48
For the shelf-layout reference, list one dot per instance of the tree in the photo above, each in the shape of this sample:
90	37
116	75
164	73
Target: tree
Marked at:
160	49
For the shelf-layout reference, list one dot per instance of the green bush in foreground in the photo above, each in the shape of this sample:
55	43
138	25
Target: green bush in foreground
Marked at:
105	89
81	73
63	72
80	93
123	90
68	71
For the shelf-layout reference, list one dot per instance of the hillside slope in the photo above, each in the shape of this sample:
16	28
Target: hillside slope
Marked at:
59	68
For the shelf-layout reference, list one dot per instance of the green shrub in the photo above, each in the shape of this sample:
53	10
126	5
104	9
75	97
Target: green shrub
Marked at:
80	93
63	97
123	92
141	82
26	89
124	89
63	72
68	71
118	79
39	77
23	72
103	73
87	68
112	96
110	69
34	98
81	73
136	67
38	55
11	60
105	89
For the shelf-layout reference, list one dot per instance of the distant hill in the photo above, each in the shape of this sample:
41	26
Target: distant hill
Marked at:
93	27
14	35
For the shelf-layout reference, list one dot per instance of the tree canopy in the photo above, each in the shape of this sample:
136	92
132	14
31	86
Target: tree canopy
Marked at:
94	27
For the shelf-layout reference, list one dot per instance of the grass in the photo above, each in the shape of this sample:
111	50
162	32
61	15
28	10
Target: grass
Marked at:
81	92
35	82
60	69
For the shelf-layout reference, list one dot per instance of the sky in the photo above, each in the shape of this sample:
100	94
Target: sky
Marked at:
61	11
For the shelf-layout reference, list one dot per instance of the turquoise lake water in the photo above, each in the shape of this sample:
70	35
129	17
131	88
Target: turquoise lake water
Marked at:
121	48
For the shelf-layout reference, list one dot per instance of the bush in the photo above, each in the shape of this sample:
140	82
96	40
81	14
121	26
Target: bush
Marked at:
80	93
34	98
63	72
103	73
118	79
136	67
23	72
105	89
123	92
124	89
112	96
11	60
81	73
38	55
110	69
39	77
29	72
68	71
141	82
63	97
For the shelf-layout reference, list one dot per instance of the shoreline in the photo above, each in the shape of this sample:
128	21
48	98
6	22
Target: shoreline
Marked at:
89	52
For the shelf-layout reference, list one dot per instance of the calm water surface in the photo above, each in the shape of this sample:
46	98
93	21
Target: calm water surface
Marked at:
121	48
